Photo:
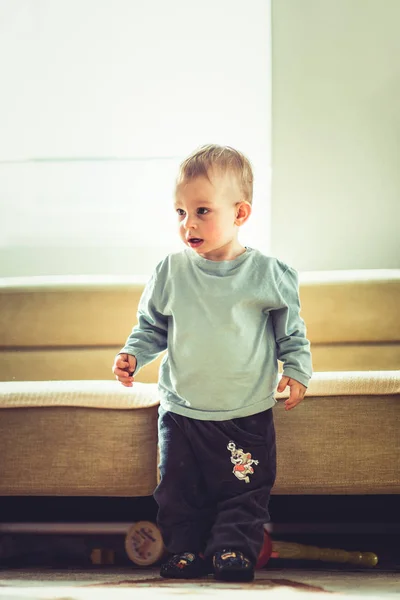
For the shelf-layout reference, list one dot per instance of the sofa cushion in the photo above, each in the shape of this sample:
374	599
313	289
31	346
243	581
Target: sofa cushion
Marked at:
97	438
343	437
70	438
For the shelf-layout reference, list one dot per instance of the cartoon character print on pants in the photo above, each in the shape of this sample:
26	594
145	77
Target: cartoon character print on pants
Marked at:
242	462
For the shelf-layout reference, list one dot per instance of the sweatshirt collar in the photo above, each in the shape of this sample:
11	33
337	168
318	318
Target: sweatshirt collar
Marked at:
217	267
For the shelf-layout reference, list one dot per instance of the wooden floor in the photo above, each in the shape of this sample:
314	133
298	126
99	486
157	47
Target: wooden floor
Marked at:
137	584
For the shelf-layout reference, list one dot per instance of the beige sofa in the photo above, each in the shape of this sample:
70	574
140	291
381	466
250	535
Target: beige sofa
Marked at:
68	429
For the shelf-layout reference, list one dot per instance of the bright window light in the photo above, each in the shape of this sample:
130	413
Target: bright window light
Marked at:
100	102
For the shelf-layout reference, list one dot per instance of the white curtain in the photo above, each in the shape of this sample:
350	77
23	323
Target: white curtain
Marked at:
100	100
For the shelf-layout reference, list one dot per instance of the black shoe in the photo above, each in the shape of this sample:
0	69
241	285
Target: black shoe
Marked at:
231	565
184	566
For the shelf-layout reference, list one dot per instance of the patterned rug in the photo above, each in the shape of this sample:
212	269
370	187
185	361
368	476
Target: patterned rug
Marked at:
147	585
209	582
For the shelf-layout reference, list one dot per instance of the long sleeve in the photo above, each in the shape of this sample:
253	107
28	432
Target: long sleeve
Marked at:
149	337
293	347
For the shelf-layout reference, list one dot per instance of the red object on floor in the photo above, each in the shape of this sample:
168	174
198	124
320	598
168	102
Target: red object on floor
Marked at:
266	551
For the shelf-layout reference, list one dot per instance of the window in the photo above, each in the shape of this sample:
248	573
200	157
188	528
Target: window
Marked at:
100	102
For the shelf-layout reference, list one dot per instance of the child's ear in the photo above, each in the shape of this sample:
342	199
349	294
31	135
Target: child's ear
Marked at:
242	212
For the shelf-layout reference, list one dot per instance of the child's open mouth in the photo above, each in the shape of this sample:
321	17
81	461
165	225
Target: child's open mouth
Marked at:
195	242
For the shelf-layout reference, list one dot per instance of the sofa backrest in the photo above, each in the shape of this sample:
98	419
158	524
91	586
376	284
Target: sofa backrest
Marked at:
71	327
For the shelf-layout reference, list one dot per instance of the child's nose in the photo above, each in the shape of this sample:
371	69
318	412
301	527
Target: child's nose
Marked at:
190	222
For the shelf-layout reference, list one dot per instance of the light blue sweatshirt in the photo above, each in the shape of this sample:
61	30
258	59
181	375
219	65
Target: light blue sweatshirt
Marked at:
224	324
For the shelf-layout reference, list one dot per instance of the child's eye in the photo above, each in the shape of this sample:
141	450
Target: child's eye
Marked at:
180	212
202	211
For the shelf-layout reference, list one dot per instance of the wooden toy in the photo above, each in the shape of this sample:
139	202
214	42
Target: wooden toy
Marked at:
144	544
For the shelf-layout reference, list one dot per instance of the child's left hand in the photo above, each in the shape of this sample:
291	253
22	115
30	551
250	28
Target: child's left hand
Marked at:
297	391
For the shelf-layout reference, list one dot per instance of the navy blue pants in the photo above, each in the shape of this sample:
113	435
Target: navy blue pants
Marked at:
216	479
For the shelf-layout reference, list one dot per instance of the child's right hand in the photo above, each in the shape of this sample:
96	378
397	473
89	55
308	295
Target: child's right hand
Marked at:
124	365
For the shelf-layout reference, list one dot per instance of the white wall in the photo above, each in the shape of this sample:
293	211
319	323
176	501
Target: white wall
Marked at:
336	133
99	102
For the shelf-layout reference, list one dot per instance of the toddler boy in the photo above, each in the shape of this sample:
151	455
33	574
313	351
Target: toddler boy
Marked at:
226	313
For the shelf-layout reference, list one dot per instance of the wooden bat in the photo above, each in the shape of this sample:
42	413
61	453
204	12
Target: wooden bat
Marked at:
291	550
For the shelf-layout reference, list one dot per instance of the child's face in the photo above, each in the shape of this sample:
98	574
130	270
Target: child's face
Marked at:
208	216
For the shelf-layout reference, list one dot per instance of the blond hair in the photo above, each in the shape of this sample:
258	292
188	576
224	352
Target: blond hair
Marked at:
223	159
